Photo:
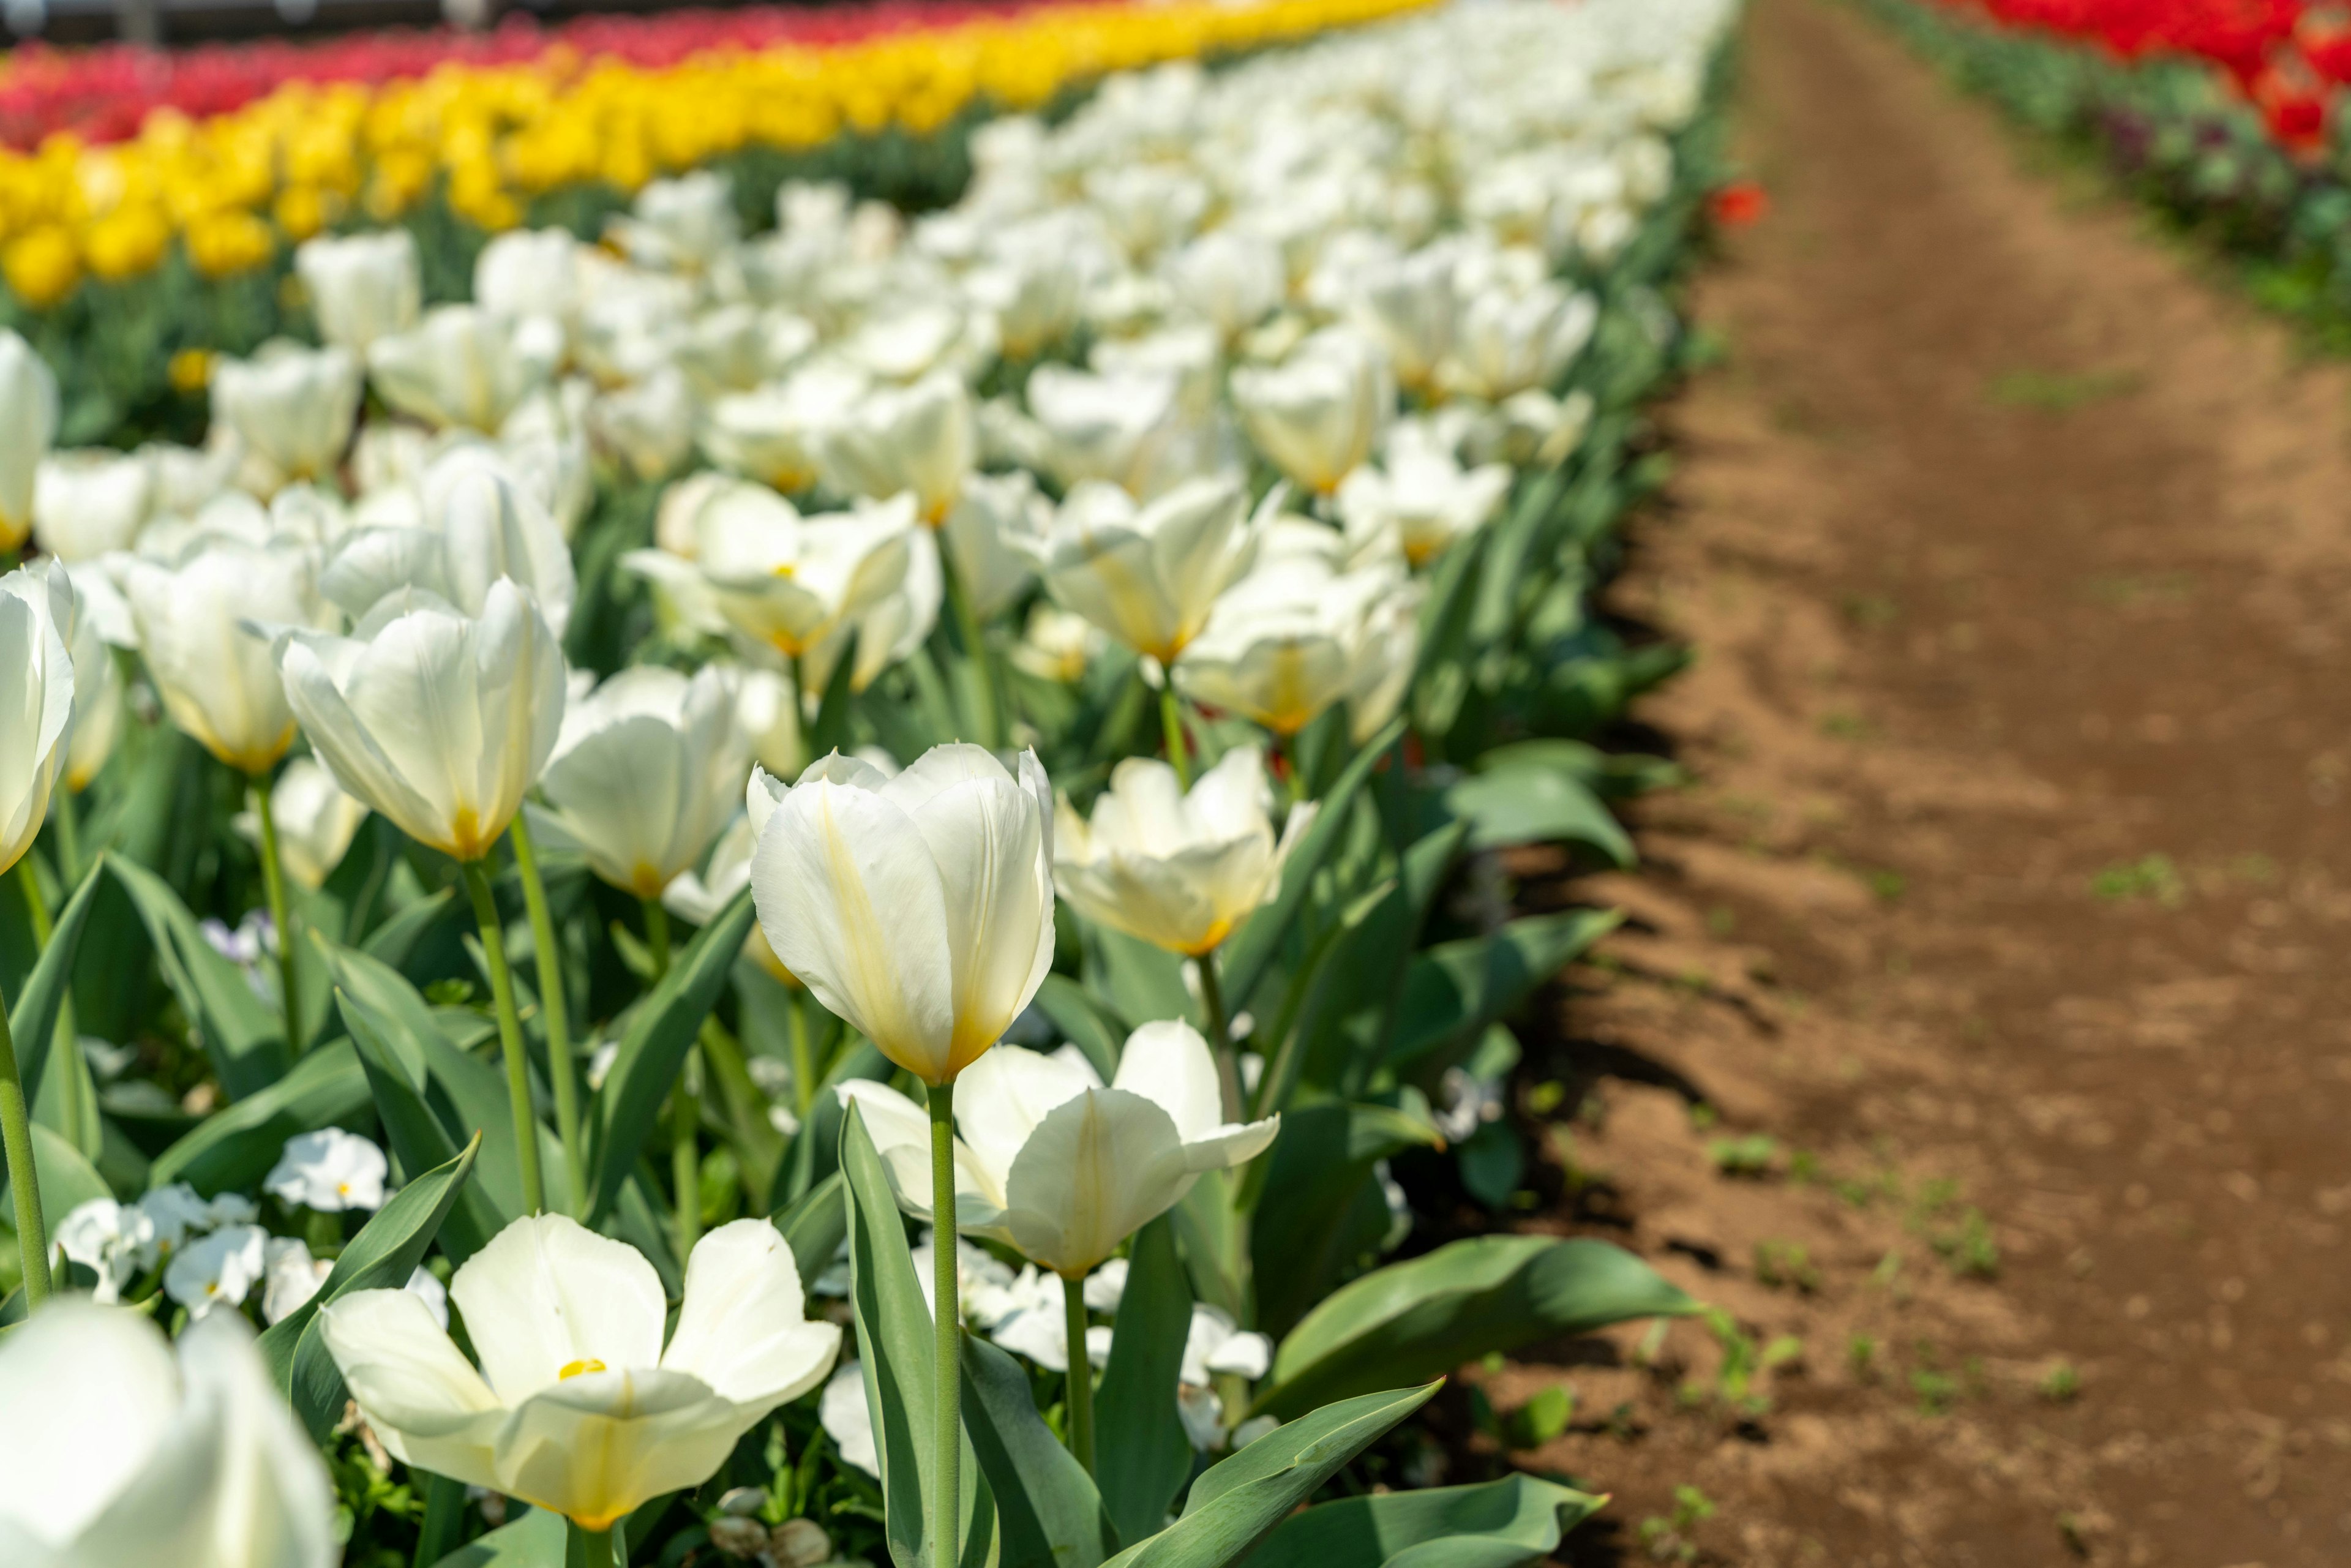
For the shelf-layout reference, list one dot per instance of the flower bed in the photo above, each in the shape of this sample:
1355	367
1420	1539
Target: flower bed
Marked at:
1164	572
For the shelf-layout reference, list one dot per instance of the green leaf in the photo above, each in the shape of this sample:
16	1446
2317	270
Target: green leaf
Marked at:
243	1035
1497	1526
1302	1244
815	1226
1456	989
1087	1021
1047	1512
382	1257
235	1147
1235	1505
537	1539
1141	1457
1440	676
67	1180
33	1022
1424	1317
1134	978
1526	805
416	1133
663	1028
1247	954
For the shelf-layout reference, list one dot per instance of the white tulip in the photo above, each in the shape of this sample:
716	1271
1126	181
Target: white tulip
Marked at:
918	438
292	407
788	581
1180	870
908	344
188	476
88	502
1408	303
1229	278
993	510
1058	645
1512	341
36	706
545	444
79	609
891	628
143	1457
631	322
1148	574
1126	427
578	1408
316	821
436	720
1033	291
848	1420
530	272
1292	641
646	771
770	434
330	1170
200	630
920	909
738	347
362	286
29	424
477	524
465	366
647	426
1058	1167
680	225
1317	415
1420	497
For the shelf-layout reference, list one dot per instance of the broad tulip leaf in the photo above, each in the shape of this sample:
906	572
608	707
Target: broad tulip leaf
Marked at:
1047	1513
1237	1503
625	1110
1245	956
1497	1526
1440	674
33	1022
815	1150
382	1257
67	1179
1141	1457
831	725
235	1147
1456	989
415	1132
1525	805
537	1539
1318	1169
393	941
894	1331
815	1226
242	1033
1426	1316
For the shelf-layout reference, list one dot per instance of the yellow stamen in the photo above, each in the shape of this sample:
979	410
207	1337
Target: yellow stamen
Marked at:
574	1368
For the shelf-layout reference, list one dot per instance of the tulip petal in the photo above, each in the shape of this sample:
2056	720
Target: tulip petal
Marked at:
104	1383
1097	1169
272	1504
1001	1098
596	1446
741	1327
1169	1064
548	1295
425	1400
901	1130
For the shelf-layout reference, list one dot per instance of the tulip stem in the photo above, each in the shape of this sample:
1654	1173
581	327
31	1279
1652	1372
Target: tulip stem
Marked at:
68	821
24	1180
803	1058
1220	1039
65	1045
281	914
585	1548
494	949
975	641
1081	1372
946	1304
553	1006
685	1107
1171	721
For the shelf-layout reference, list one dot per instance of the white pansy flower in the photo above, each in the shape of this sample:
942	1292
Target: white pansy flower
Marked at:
218	1270
330	1170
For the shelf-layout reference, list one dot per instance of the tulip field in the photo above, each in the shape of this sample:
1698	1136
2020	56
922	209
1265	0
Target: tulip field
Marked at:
643	664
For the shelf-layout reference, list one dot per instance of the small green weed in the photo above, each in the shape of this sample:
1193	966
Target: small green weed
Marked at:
2061	1385
2059	392
1785	1265
1673	1538
1749	1156
2150	877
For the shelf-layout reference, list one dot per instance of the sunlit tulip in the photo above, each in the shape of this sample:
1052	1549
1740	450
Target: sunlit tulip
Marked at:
36	705
738	347
1033	290
770	434
465	366
362	286
528	272
1058	645
848	1420
437	720
90	501
1409	304
890	629
679	226
577	1407
917	438
204	629
1058	1167
920	909
1148	574
1288	643
787	581
29	424
316	821
993	510
477	524
545	444
1178	870
647	426
144	1453
1231	278
1422	498
1124	427
631	322
79	608
330	1170
908	344
1316	415
293	408
648	768
1509	341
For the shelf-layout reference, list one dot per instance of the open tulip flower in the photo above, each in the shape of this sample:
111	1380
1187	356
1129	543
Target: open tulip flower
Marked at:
1179	870
316	821
1297	636
919	907
918	438
1421	497
204	626
477	522
788	581
361	286
293	408
1148	574
465	366
577	1407
1316	415
87	503
1056	1165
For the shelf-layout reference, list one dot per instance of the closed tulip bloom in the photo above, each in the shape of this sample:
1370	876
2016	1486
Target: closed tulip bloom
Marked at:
293	408
647	770
577	1407
36	700
1421	497
890	629
362	286
98	617
29	424
919	438
88	502
1180	870
145	1453
1512	341
1409	305
788	580
1054	1164
993	510
1148	574
465	367
1317	415
198	631
477	524
680	225
918	907
316	821
438	720
530	272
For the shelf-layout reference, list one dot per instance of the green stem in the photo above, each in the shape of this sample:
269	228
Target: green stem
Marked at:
1081	1372
803	1058
684	1105
1221	1042
36	902
16	1137
493	948
553	1006
281	914
947	1352
68	818
584	1548
975	641
1288	745
65	1043
1171	723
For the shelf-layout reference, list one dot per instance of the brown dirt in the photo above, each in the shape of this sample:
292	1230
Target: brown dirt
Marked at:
1965	661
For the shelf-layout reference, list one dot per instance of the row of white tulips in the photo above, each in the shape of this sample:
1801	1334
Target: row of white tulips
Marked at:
1210	373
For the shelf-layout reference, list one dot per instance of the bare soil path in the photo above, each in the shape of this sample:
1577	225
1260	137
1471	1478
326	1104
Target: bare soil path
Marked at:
2011	899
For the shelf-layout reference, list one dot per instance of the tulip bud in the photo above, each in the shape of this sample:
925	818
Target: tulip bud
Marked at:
362	286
